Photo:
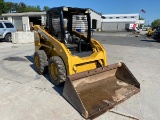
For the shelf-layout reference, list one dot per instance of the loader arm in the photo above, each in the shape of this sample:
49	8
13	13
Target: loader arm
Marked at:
74	64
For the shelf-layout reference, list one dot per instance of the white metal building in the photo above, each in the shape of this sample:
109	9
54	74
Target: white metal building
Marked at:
24	21
116	22
110	22
96	20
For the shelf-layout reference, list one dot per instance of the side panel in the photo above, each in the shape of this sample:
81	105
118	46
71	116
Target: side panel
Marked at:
54	47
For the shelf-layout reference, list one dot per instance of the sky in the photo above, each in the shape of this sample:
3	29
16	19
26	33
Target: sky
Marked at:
152	7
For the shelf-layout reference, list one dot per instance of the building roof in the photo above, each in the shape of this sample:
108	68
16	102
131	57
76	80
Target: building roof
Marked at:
24	14
119	15
96	12
35	13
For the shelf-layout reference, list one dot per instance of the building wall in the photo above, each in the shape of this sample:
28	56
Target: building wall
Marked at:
43	20
117	22
121	17
25	22
25	18
97	17
10	19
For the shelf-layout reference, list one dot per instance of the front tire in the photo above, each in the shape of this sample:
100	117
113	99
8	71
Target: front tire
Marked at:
57	70
40	62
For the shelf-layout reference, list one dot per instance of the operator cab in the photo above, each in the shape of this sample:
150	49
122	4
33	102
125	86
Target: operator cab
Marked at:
72	27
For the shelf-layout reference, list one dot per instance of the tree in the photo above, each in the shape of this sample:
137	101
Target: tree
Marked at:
45	8
15	7
21	7
8	7
1	6
38	8
33	9
156	23
141	18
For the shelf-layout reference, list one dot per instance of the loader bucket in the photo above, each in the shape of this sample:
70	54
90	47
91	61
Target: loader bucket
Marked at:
96	91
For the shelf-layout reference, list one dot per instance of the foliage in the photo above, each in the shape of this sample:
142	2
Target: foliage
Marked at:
15	7
156	23
140	18
21	7
10	7
33	9
1	6
45	8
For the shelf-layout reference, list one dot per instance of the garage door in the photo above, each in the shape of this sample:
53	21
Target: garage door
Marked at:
109	26
120	26
17	21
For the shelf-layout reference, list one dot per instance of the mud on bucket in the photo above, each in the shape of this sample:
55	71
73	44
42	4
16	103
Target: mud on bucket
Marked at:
95	91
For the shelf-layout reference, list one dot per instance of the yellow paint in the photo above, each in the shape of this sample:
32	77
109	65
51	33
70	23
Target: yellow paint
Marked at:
85	66
36	61
73	64
150	31
54	71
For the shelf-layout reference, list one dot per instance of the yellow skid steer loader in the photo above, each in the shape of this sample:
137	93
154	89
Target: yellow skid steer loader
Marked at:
65	49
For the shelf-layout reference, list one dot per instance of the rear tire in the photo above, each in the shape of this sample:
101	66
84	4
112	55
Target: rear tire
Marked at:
8	38
57	70
40	62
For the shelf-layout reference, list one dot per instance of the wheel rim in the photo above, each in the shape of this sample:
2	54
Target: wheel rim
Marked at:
53	71
36	61
9	38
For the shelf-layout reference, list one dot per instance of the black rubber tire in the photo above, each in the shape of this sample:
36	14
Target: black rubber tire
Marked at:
61	69
8	38
43	63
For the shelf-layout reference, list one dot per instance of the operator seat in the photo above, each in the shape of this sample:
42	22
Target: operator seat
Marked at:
69	42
